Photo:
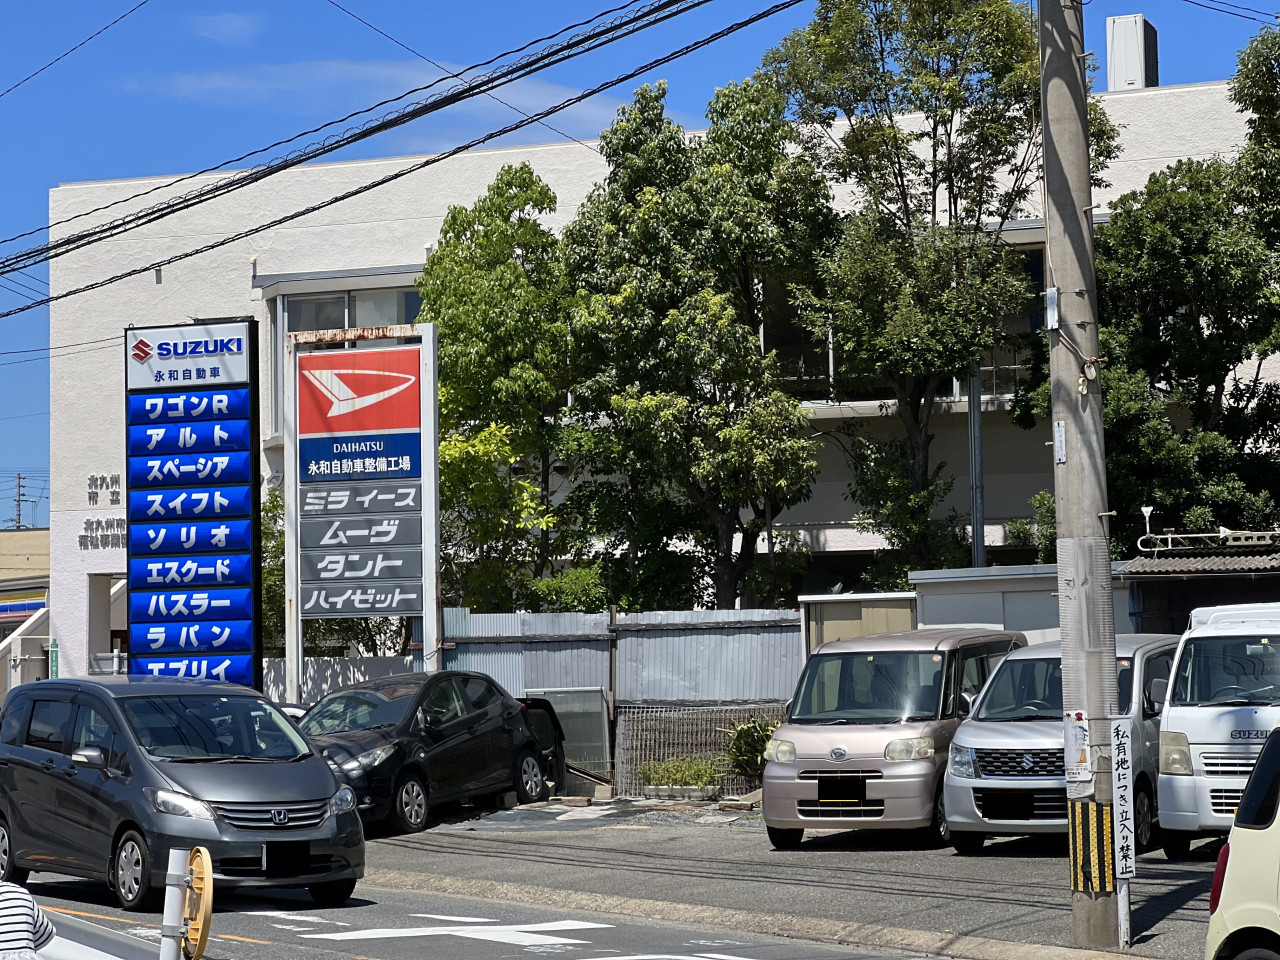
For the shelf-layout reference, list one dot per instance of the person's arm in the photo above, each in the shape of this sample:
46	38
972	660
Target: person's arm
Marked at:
42	931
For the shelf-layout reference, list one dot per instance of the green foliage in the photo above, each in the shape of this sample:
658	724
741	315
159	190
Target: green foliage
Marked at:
680	772
1044	512
577	589
744	747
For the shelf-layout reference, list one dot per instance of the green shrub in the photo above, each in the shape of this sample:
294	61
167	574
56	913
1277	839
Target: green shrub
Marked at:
744	751
680	772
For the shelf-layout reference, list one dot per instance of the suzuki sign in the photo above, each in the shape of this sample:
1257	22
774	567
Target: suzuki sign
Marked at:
167	358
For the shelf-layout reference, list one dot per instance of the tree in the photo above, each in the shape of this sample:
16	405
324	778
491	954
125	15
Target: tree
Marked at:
673	255
495	290
929	110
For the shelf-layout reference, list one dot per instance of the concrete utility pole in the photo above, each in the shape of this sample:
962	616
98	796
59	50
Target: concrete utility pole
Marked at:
1080	480
18	501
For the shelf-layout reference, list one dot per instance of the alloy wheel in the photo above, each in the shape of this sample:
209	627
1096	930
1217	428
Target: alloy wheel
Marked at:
531	776
413	802
4	849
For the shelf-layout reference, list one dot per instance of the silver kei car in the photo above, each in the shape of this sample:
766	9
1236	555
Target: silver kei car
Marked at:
1006	776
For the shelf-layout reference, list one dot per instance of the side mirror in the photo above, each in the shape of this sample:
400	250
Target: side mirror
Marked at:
426	720
90	757
1159	691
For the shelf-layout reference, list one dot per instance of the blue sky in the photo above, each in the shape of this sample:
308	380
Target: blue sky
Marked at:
178	86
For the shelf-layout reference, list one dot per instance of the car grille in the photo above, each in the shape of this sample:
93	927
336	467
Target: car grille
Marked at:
1228	764
865	809
264	816
1021	804
840	774
1020	763
1224	802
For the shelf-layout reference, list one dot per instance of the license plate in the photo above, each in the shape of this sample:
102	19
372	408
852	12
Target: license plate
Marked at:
999	805
287	857
842	789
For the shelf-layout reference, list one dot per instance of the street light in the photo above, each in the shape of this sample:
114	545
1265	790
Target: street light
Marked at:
1146	515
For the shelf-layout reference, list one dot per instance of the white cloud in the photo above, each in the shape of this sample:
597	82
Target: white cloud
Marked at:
234	29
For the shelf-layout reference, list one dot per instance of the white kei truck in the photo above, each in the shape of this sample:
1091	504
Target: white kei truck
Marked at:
1223	702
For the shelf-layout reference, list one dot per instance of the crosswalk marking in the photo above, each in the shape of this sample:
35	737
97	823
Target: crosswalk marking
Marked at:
514	934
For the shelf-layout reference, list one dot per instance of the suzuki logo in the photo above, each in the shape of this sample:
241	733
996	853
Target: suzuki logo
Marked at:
142	351
838	753
1027	761
344	398
279	817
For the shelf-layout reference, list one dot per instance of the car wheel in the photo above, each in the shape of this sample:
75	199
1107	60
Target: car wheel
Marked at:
531	785
1257	953
1176	843
409	803
131	871
783	839
332	894
939	829
8	872
1143	818
967	843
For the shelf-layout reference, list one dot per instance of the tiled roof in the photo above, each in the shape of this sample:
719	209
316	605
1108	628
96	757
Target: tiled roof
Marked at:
1225	563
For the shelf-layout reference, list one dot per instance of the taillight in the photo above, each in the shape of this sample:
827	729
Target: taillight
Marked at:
1219	874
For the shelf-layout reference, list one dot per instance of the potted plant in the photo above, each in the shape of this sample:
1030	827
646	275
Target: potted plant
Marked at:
681	778
744	750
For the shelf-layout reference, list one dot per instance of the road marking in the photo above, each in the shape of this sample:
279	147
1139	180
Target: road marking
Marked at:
296	917
515	934
442	916
227	936
674	956
82	913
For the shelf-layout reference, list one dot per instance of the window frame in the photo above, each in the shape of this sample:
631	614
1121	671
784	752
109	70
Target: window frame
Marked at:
68	724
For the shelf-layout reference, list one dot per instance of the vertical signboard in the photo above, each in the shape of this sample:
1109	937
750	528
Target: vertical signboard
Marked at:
192	496
360	469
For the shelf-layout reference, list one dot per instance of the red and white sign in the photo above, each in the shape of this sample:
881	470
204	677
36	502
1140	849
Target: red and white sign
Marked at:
359	392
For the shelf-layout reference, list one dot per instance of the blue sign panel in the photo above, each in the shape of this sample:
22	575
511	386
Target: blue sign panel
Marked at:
192	496
186	406
181	539
190	470
231	668
210	636
385	456
154	506
217	435
206	570
189	606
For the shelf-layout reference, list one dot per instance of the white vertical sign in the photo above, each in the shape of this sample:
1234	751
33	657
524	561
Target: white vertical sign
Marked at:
1122	797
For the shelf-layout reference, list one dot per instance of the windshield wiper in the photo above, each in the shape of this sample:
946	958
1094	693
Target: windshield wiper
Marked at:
301	756
1239	702
1023	718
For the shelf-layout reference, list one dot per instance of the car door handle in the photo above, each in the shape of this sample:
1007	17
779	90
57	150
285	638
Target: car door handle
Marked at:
48	766
473	730
71	771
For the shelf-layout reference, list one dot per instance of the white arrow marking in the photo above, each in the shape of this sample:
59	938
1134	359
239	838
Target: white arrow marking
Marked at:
515	934
443	916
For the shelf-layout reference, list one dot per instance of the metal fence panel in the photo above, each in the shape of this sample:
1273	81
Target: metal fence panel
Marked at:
566	663
502	661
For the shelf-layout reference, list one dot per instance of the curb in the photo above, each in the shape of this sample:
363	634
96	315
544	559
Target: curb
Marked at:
781	925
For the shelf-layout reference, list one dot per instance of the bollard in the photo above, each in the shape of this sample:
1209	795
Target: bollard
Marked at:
175	896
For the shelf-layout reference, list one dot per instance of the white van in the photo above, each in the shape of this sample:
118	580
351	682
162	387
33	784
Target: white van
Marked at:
1224	701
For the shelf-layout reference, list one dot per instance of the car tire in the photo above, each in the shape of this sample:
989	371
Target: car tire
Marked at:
939	830
333	893
8	872
409	803
131	872
968	843
784	839
1144	819
531	782
1176	844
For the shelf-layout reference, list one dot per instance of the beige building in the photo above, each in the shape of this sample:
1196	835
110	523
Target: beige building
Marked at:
354	264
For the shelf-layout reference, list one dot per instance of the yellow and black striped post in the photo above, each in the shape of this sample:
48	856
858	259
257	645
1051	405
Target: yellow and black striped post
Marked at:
1093	867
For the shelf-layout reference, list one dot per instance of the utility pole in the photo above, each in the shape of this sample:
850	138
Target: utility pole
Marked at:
977	495
1080	479
18	501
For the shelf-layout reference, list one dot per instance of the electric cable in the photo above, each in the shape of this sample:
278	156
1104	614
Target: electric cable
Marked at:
63	346
1233	13
457	76
646	17
13	280
324	126
4	285
415	167
32	76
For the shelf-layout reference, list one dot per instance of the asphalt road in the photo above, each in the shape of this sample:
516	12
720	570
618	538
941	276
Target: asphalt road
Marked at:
623	881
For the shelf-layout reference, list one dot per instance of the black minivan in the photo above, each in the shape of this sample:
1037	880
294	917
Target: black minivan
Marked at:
136	765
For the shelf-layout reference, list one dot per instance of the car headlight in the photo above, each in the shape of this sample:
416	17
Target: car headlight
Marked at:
1175	754
917	748
962	763
344	801
369	759
178	804
782	751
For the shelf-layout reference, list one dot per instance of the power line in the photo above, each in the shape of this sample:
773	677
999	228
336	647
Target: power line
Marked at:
324	126
32	76
413	168
69	353
5	285
33	278
423	56
63	346
651	15
24	416
14	281
1233	13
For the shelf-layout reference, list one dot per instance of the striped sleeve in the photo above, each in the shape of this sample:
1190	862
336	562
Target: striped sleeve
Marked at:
23	925
43	931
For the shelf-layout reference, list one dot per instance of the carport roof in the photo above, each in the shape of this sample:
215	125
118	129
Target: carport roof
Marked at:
1239	563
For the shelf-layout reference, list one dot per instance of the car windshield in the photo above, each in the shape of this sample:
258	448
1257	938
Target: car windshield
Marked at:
1027	689
194	727
1227	671
366	709
869	687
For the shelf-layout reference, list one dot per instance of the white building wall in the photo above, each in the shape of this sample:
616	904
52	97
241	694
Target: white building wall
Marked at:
392	225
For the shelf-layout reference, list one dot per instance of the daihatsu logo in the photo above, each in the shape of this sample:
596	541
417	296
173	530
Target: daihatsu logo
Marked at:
838	753
279	817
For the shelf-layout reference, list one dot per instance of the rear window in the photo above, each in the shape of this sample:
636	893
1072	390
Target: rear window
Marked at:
1258	805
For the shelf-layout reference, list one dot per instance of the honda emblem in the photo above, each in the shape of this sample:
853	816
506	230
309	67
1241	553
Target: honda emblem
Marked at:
279	817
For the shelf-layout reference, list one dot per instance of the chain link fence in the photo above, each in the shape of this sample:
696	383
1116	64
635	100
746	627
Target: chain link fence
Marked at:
655	732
